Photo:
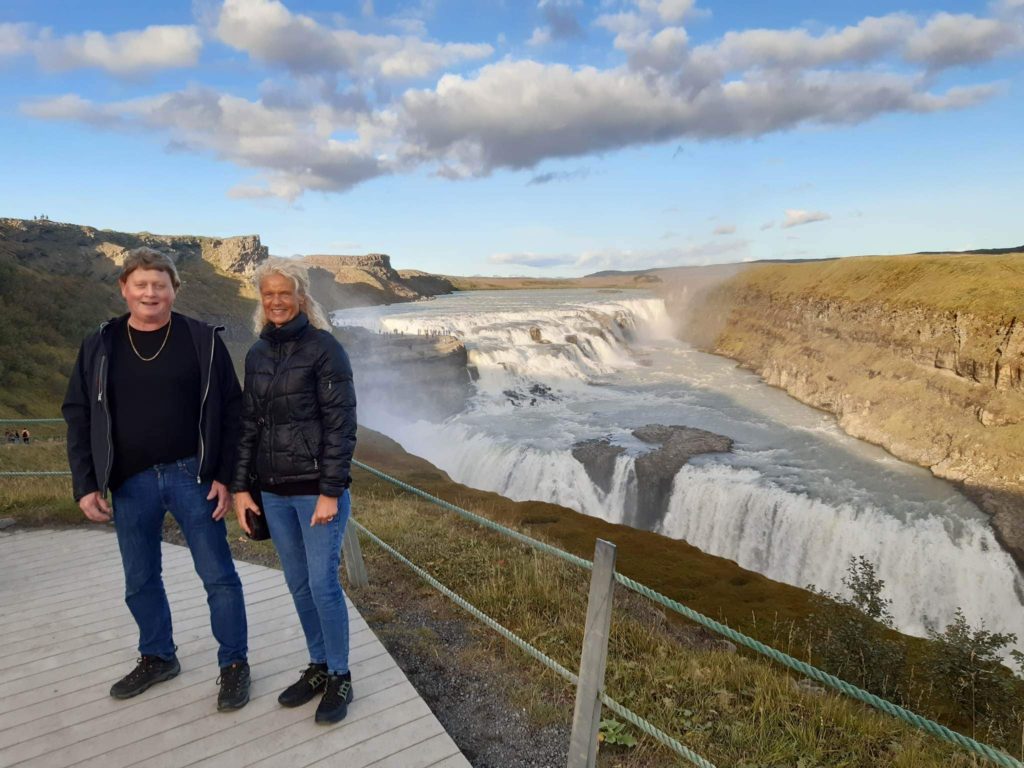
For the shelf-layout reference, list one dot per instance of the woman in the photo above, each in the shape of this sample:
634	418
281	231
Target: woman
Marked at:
298	435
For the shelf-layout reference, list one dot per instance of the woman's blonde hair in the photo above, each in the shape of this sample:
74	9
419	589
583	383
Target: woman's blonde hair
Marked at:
299	276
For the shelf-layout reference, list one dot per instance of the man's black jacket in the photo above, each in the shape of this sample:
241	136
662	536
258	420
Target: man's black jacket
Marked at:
299	412
86	409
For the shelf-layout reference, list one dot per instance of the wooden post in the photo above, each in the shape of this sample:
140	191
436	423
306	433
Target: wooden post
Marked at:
586	718
354	565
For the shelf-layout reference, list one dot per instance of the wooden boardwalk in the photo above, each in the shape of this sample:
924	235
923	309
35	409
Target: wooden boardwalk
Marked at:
66	636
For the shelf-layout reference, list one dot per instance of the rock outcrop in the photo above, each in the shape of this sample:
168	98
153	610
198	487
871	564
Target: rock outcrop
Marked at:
412	377
672	446
359	281
922	355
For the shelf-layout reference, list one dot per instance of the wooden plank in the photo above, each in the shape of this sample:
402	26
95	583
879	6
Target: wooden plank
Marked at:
422	755
273	729
55	635
72	637
332	741
416	745
455	761
383	745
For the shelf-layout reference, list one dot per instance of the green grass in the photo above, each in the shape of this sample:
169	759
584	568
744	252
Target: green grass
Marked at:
965	283
732	709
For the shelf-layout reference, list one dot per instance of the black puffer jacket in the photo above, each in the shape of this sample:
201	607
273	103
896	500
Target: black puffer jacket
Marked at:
299	410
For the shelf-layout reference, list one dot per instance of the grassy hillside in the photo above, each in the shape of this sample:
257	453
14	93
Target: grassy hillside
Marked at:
959	283
59	282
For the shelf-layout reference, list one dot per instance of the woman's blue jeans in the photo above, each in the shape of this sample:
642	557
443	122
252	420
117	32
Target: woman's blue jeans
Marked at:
310	557
140	504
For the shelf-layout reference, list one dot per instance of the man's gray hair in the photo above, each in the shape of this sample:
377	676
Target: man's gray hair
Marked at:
299	276
145	257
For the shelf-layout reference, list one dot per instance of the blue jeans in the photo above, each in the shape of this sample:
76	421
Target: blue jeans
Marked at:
139	507
310	557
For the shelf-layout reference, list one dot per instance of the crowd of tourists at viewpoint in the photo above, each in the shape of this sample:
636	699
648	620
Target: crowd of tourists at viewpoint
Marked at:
157	422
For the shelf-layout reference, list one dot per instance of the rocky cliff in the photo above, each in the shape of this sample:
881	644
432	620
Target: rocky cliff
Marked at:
76	249
358	281
920	354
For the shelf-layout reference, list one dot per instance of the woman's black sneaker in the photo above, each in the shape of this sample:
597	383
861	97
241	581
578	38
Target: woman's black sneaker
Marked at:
312	681
149	671
334	705
234	686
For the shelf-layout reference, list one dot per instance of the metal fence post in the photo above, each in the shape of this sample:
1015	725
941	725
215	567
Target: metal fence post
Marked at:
586	717
354	565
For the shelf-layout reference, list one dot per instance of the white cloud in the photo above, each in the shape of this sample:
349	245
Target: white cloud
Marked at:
628	259
515	114
269	32
699	254
796	218
15	39
870	39
725	229
547	178
124	54
949	40
327	121
560	19
532	259
294	148
541	36
767	225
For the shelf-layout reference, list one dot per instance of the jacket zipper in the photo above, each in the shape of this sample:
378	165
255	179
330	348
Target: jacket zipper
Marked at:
106	412
202	405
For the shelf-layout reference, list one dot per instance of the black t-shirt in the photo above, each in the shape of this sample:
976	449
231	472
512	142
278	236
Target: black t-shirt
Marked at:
154	405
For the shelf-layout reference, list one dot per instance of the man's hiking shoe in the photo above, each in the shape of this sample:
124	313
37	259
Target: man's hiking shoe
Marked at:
312	681
334	705
149	671
234	686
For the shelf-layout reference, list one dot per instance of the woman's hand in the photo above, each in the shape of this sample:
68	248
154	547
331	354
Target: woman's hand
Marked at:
243	501
326	510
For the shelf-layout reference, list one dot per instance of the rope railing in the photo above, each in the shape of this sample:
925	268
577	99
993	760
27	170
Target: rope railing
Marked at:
627	714
912	718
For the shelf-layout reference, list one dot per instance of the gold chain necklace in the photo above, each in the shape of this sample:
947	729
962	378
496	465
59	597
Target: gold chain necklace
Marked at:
154	357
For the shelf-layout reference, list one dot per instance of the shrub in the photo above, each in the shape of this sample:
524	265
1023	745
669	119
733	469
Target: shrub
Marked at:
849	637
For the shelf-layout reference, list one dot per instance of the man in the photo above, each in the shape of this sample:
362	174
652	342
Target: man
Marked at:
153	410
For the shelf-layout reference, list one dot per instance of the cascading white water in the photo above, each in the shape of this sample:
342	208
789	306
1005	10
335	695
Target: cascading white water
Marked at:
795	500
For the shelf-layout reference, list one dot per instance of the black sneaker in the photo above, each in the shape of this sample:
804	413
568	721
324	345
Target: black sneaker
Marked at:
312	681
334	705
234	686
149	671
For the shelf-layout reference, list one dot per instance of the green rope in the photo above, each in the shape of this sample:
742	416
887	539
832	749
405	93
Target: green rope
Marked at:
537	654
936	729
35	474
31	421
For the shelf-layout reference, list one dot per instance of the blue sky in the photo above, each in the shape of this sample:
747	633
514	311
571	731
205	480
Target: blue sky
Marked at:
549	138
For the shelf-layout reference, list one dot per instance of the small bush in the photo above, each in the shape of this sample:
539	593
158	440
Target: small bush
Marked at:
965	665
849	633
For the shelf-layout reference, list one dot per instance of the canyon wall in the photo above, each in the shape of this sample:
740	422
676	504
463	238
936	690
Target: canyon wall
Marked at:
920	354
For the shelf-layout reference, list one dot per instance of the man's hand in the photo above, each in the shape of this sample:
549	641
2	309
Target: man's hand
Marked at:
243	501
95	507
326	510
220	492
